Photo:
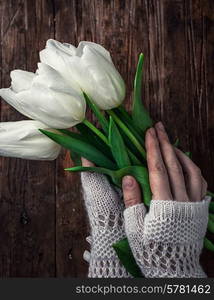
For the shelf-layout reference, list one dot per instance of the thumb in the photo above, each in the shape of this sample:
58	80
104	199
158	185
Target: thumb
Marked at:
131	191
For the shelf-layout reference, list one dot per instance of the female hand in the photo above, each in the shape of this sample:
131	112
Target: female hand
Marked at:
172	175
167	241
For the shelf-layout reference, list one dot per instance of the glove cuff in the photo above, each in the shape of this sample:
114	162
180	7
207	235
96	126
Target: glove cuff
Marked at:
176	222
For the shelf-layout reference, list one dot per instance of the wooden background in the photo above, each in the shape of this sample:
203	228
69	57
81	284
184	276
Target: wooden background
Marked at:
42	220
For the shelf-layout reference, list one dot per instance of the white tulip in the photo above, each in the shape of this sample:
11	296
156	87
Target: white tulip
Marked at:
22	139
88	66
46	97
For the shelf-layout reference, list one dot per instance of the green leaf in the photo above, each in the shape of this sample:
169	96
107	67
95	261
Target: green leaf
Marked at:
126	119
81	147
75	157
89	137
131	148
126	257
210	194
134	160
189	154
101	118
208	244
118	148
211	216
210	225
140	115
211	206
128	133
139	172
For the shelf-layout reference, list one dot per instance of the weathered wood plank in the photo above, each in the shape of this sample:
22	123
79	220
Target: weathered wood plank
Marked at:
27	211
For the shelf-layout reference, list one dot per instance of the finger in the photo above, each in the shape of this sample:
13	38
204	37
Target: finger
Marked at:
174	169
195	183
158	177
87	163
131	191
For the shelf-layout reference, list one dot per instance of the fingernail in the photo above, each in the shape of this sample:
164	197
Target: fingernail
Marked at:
160	126
128	181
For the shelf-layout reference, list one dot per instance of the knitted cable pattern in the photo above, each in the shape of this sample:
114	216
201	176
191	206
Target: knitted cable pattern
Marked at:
105	213
167	241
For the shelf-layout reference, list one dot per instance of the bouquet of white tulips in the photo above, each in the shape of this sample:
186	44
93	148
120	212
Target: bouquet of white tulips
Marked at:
68	81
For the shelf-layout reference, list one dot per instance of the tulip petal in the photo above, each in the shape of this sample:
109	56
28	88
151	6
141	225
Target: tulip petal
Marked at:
64	48
111	91
11	98
101	50
89	67
21	80
56	109
53	79
22	139
56	56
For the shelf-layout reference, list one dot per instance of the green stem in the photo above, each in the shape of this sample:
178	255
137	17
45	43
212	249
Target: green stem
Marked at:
128	133
96	131
126	119
92	169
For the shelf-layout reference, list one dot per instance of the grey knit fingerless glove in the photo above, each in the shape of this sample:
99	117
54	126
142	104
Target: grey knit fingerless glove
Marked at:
167	241
105	212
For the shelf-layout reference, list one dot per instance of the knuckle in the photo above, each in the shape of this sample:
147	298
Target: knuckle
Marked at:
175	166
130	201
158	167
164	139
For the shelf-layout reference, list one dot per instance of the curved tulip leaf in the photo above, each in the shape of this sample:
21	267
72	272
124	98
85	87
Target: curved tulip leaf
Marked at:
101	118
140	115
119	151
135	161
118	148
125	255
139	172
131	148
208	244
81	147
128	133
89	137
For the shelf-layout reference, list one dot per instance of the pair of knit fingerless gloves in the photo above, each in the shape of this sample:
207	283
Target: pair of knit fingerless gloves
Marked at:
166	241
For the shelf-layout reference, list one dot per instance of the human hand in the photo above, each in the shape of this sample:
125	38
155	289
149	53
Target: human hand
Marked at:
172	175
167	241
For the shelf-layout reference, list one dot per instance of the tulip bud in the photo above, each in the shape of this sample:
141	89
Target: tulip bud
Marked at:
90	67
22	139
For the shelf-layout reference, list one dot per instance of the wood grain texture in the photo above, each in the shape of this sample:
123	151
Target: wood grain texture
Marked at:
43	223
